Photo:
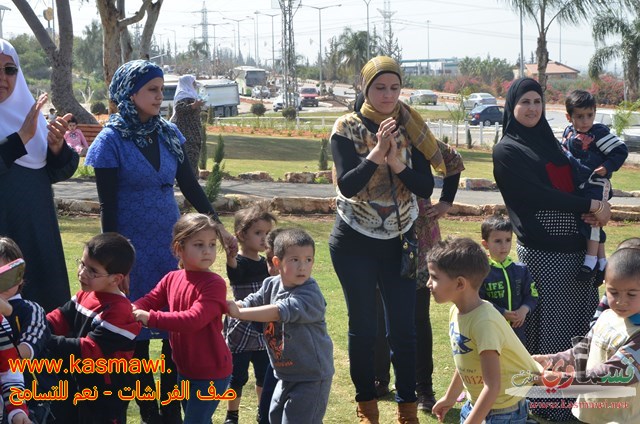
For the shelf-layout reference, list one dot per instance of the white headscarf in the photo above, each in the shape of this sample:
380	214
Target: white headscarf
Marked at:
13	111
185	89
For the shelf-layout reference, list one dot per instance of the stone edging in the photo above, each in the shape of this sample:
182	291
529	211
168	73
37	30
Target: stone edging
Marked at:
325	206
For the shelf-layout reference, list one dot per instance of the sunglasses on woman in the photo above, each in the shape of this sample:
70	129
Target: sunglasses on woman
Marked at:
10	70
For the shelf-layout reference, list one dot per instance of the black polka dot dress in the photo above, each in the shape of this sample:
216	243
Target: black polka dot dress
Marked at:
565	307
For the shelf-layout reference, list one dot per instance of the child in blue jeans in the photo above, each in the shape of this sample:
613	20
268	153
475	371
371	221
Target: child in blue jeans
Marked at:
486	352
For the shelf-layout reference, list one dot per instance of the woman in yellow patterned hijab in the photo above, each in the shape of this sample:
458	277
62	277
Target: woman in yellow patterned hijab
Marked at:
419	133
383	154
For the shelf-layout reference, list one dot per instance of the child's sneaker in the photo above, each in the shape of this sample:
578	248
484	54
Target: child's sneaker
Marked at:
585	274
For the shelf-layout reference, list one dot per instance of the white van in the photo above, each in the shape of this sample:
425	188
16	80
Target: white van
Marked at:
630	135
168	93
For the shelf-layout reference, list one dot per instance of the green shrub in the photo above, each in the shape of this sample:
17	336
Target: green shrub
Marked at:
469	140
445	139
212	188
323	162
98	108
211	115
218	154
258	109
321	180
290	113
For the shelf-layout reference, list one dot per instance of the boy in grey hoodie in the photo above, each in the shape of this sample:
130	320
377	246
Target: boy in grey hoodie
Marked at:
300	349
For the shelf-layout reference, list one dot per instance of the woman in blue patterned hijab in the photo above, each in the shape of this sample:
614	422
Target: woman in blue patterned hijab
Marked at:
127	81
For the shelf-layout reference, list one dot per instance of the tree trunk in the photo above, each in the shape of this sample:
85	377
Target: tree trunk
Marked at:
110	39
542	54
153	12
61	58
633	77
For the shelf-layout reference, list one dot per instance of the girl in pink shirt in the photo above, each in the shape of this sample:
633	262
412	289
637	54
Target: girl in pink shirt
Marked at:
75	139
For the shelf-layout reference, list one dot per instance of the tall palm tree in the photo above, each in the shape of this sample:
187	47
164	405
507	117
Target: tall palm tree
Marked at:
626	28
545	12
352	50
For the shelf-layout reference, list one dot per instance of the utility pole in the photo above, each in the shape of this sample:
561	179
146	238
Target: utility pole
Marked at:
2	10
290	83
368	34
319	9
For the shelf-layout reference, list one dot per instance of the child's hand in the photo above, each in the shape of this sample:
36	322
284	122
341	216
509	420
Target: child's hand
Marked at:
542	360
442	406
519	316
230	242
20	418
234	310
141	316
601	170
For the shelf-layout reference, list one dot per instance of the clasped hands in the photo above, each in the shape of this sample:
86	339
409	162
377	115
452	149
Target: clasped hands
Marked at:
386	149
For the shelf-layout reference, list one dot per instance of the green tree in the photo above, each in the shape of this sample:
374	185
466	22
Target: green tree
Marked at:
352	50
625	28
488	70
390	47
546	12
88	51
33	60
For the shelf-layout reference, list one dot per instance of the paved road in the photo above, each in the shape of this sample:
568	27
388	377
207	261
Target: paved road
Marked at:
85	189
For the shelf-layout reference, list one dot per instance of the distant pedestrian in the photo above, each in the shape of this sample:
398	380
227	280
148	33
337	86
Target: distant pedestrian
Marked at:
186	115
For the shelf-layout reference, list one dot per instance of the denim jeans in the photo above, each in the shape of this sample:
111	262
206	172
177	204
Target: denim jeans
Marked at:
361	264
519	416
198	411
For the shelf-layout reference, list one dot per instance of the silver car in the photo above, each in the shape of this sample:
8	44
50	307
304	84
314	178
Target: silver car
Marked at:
477	99
423	97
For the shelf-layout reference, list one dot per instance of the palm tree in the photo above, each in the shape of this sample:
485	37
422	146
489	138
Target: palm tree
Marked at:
352	50
626	28
544	13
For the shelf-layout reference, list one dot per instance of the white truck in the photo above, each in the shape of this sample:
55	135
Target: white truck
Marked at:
221	95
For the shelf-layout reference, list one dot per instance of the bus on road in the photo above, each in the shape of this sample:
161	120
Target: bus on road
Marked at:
248	77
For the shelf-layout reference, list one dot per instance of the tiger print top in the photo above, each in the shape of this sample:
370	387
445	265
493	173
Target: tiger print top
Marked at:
364	198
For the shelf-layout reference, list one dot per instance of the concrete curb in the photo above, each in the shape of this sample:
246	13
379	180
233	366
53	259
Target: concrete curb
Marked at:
323	206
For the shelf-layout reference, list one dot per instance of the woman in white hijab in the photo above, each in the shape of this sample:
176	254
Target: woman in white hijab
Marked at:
28	168
186	115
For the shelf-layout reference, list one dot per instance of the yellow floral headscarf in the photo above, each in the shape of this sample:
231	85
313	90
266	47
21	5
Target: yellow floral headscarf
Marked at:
419	133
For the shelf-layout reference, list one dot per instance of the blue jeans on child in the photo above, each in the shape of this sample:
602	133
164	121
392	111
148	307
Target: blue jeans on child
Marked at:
496	416
198	411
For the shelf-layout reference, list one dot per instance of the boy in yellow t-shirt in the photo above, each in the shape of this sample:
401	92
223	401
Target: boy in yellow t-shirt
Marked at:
487	354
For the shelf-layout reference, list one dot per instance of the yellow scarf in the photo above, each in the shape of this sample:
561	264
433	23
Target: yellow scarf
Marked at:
419	133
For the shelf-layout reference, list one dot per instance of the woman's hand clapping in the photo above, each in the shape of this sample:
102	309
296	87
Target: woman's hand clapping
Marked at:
386	134
57	129
30	124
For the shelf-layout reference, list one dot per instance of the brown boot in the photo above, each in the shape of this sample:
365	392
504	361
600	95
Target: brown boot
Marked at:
368	412
408	413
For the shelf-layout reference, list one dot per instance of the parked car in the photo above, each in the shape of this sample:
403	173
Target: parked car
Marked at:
423	96
294	100
477	99
487	114
260	92
309	96
630	135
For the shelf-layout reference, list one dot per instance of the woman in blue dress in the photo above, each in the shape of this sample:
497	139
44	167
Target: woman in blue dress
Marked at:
137	157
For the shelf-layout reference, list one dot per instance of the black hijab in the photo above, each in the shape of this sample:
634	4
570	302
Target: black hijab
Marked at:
539	138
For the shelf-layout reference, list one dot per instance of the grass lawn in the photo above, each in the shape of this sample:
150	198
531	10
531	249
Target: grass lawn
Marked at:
279	155
76	230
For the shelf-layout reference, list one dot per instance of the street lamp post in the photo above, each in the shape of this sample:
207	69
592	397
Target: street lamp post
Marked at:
368	40
175	47
2	10
319	9
237	21
428	50
273	40
215	47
